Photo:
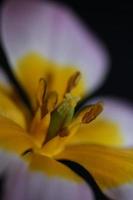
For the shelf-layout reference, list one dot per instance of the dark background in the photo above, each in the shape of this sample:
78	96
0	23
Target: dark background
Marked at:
114	25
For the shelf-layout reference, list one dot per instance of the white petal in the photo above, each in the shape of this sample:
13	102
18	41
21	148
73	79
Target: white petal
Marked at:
6	161
58	189
24	185
124	192
53	31
119	112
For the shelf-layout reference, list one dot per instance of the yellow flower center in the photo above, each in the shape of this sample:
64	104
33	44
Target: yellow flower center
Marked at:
32	66
57	93
56	98
54	123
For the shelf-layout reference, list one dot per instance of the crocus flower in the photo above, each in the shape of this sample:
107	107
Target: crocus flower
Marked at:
58	62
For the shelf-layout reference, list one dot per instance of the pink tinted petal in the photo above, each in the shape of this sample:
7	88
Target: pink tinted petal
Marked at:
53	31
124	192
25	185
121	113
15	175
58	189
16	184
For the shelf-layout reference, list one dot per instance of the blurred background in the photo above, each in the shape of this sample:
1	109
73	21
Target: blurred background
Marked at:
113	23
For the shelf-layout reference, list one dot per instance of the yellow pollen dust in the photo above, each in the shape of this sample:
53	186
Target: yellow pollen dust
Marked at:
41	92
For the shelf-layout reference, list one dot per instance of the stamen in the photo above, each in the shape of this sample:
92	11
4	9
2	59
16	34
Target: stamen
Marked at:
52	100
93	112
73	81
41	92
